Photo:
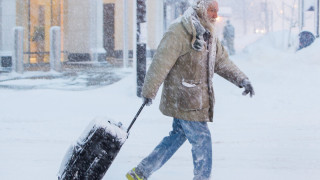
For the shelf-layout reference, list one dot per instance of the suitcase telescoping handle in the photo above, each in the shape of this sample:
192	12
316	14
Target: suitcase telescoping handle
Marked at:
135	118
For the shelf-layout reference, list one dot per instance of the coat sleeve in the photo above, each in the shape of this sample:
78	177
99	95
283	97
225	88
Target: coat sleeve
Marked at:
226	68
165	57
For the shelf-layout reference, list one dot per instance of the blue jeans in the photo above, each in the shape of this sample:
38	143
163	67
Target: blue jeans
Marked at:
197	134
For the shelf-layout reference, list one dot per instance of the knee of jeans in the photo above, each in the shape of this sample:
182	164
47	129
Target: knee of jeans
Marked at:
203	138
207	136
175	137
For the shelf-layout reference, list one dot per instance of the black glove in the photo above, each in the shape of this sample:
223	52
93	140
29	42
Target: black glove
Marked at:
147	101
247	87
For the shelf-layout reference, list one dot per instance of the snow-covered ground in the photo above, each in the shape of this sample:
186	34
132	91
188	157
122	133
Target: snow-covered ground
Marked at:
274	135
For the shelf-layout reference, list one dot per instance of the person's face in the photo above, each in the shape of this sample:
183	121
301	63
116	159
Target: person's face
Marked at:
212	11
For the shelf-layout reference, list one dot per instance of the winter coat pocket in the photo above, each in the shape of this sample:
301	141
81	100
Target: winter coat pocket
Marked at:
190	96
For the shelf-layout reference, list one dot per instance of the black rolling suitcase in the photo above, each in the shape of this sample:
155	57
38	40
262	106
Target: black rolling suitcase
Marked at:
95	150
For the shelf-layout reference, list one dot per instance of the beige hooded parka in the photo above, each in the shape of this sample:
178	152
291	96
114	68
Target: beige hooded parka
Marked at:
187	73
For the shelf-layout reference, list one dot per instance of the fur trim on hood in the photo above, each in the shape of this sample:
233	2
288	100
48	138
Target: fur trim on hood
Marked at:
192	23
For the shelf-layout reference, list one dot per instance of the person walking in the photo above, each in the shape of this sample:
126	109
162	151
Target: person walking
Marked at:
228	36
185	61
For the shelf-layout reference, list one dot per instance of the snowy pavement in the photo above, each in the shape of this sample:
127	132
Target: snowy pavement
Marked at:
73	77
274	135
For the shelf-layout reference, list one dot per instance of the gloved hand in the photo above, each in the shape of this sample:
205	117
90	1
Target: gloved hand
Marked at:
147	101
247	87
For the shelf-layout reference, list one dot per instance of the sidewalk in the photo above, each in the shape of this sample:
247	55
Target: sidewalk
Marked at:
74	76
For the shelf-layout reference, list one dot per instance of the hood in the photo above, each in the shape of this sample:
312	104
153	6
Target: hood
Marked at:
193	26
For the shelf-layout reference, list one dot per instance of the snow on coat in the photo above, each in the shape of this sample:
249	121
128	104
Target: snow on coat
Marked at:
187	73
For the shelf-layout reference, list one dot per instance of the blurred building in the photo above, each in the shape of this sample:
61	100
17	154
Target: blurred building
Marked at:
91	30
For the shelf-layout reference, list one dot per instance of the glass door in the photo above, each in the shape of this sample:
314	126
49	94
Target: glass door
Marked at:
42	15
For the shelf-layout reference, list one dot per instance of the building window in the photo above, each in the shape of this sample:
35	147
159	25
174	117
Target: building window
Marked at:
41	16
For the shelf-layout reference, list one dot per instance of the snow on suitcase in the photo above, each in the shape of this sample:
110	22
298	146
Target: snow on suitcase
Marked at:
91	156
